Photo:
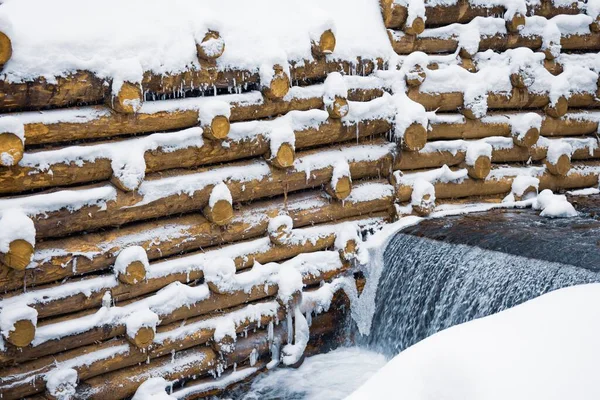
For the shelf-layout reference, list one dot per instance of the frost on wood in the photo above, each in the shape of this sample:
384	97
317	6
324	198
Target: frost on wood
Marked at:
131	265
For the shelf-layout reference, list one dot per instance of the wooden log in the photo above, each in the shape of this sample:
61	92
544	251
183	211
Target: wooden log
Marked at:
22	334
94	252
341	181
19	255
416	27
131	265
283	157
11	149
278	86
559	167
127	99
280	230
515	23
324	45
22	178
558	109
481	168
219	209
338	108
415	76
5	49
394	15
218	129
211	46
415	137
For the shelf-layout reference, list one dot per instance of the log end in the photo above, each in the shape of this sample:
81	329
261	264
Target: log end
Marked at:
11	149
218	128
143	337
284	158
425	207
527	193
468	64
5	49
562	166
394	15
339	108
481	168
19	255
342	188
517	80
280	236
128	100
325	45
415	137
211	47
220	213
135	272
464	53
516	23
22	334
279	85
348	252
530	138
416	76
225	345
416	27
559	108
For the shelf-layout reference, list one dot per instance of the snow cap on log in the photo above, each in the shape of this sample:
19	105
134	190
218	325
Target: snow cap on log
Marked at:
415	76
524	186
346	242
131	265
410	123
280	229
290	284
17	239
557	107
214	119
322	35
219	275
274	80
61	384
551	41
558	157
335	95
479	159
141	327
516	21
210	46
153	389
282	144
12	141
592	9
128	169
422	198
525	128
224	337
18	324
126	95
220	205
341	181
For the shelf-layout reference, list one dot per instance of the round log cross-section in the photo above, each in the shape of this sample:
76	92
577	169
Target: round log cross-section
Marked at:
284	158
561	167
143	337
211	47
11	149
18	256
128	100
415	137
348	252
481	168
515	23
218	128
425	207
343	188
5	48
528	192
325	45
134	273
338	108
416	76
559	108
528	139
22	334
220	213
416	27
279	85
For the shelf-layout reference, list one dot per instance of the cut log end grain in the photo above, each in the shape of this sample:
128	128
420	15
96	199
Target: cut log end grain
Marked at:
394	15
339	108
218	128
5	49
559	108
22	334
415	137
481	169
416	27
279	86
325	45
134	273
348	253
518	81
561	167
527	193
128	100
342	189
285	156
425	207
221	213
225	345
281	236
515	23
595	26
11	149
143	337
416	76
19	255
211	47
553	67
530	138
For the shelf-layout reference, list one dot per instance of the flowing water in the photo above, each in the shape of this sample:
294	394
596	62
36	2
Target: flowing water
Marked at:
443	272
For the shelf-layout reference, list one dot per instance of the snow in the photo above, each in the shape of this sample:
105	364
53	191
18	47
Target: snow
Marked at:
9	124
334	86
143	318
341	169
219	193
545	348
62	383
556	149
521	123
128	256
476	150
584	192
153	389
16	312
279	221
422	188
522	182
554	206
110	38
15	225
292	353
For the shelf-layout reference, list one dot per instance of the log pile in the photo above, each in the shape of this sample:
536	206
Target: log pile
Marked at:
165	228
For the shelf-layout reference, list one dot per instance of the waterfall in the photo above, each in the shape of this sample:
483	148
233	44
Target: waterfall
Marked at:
429	285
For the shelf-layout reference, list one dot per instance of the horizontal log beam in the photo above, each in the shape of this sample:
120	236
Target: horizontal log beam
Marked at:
59	259
91	163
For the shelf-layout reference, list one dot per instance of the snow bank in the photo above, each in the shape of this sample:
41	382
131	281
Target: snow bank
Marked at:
546	348
553	205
